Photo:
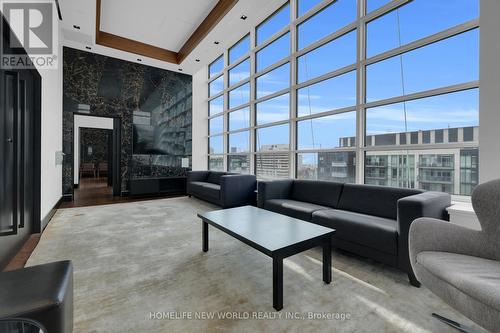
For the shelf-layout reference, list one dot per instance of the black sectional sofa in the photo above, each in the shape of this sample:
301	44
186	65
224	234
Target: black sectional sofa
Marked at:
222	188
371	221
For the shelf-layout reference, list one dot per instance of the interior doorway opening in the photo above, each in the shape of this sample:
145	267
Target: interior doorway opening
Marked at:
96	160
94	167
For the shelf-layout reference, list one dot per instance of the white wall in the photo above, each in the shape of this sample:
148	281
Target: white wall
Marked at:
489	115
51	132
87	122
200	118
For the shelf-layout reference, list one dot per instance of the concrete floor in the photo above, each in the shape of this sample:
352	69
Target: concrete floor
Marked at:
138	267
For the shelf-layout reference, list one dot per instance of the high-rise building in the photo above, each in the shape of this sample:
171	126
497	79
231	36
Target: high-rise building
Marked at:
273	161
452	170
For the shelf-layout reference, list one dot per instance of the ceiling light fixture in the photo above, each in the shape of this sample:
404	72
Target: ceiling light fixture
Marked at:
88	47
216	42
77	27
180	69
139	59
243	17
197	60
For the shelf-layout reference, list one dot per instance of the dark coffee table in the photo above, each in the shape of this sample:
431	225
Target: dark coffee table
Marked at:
278	236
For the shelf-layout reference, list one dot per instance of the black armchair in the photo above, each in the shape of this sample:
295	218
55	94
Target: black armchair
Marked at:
42	293
222	188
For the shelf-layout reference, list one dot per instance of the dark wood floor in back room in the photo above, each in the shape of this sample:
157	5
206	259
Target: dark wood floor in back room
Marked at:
95	191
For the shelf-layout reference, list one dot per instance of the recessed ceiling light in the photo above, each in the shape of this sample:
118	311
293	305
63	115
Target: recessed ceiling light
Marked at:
243	17
216	43
197	60
88	47
77	27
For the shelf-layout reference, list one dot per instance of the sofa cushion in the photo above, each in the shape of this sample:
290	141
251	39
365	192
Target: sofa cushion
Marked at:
477	277
214	177
323	193
204	189
372	231
373	200
298	209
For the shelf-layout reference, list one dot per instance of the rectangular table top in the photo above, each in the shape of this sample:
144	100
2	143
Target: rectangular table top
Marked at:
263	229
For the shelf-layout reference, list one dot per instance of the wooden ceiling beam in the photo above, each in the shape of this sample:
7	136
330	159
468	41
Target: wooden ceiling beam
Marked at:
129	45
147	50
214	17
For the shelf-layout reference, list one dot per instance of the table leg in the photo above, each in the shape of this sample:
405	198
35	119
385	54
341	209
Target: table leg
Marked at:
205	236
278	283
327	261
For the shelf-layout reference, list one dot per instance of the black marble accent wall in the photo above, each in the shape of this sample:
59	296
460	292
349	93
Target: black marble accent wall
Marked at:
143	97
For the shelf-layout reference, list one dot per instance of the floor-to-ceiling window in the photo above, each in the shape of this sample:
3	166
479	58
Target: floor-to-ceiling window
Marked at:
369	91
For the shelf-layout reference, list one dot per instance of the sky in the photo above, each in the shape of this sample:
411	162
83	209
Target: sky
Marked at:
448	62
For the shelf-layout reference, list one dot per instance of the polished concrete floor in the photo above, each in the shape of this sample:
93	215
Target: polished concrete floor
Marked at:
138	267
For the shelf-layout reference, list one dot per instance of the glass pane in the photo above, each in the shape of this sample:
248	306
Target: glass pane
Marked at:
333	131
332	166
216	144
337	15
273	24
396	169
305	5
239	72
274	138
271	166
469	170
239	142
216	163
371	5
216	125
273	110
239	119
383	33
451	61
444	112
274	52
216	86
240	49
327	95
273	81
336	54
239	96
239	163
216	67
216	106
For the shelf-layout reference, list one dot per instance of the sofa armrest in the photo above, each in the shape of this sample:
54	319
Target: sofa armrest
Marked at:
427	204
197	176
237	190
273	189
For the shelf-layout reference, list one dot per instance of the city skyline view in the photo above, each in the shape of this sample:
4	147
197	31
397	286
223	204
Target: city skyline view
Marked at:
327	108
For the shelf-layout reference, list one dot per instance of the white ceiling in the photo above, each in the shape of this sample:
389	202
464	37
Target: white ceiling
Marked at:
163	23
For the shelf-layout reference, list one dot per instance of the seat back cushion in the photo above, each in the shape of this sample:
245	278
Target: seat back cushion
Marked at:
373	200
214	177
318	192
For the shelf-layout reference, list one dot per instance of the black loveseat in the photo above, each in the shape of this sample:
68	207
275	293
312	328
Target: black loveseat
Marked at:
222	188
371	221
